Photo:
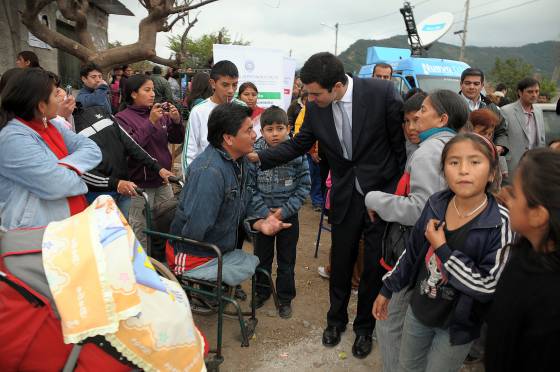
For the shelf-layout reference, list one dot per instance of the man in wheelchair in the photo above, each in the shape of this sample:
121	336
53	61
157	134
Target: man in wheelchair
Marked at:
216	198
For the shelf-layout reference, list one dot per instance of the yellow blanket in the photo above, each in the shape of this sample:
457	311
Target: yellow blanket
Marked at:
104	284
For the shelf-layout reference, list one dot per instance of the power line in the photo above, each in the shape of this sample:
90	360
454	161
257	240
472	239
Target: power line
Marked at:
381	16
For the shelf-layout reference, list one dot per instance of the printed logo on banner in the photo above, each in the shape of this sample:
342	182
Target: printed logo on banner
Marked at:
249	65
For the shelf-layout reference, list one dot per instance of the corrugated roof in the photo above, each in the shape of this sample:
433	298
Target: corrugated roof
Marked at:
112	7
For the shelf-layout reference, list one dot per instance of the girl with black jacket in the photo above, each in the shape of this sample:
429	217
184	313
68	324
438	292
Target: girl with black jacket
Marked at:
455	257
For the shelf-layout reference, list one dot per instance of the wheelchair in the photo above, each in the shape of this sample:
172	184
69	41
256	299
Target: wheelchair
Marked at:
209	297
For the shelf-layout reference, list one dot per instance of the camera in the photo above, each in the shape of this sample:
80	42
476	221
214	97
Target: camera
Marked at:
166	106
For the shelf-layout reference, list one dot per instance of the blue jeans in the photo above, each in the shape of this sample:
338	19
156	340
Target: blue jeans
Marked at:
315	174
389	332
123	201
428	348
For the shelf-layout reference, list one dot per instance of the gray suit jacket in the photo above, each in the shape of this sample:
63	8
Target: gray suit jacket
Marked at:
517	135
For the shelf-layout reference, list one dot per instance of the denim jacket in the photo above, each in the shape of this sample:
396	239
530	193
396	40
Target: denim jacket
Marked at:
285	186
214	201
33	186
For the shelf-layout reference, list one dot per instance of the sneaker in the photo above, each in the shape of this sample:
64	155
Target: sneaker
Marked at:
260	300
285	311
323	272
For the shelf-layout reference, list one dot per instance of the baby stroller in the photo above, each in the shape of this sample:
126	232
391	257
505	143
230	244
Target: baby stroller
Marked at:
31	336
35	332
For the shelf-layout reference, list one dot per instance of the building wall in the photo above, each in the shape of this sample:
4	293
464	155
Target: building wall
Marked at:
15	35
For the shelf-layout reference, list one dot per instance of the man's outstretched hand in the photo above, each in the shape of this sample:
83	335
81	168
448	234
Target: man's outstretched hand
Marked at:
253	157
271	225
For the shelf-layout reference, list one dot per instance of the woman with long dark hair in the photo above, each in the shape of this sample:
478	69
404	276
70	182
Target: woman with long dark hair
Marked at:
200	90
524	321
41	159
153	127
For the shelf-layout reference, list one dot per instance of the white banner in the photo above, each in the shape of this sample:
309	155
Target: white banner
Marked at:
263	67
289	72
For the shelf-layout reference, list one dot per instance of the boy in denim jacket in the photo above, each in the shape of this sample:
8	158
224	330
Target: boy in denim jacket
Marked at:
280	191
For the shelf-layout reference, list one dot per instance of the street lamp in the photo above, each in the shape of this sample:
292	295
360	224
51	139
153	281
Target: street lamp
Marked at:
335	28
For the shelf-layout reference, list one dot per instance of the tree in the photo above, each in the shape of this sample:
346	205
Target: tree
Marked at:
197	53
510	72
548	88
162	16
141	66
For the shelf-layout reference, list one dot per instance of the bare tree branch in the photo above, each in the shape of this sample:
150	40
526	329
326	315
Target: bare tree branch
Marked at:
53	38
190	6
169	26
143	49
164	61
76	10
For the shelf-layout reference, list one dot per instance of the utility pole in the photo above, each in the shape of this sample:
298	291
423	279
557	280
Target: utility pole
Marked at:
464	34
335	38
335	28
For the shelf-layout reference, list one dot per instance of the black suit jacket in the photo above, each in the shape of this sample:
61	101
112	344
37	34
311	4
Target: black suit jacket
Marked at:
378	151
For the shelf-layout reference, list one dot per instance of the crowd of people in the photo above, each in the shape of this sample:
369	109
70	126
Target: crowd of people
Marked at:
466	184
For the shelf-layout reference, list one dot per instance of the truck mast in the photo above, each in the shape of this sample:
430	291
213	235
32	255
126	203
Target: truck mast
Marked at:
416	47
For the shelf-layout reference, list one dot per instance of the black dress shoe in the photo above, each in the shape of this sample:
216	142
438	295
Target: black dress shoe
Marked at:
331	336
362	346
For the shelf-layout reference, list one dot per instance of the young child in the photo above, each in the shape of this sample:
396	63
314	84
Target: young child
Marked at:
524	321
454	259
410	107
280	191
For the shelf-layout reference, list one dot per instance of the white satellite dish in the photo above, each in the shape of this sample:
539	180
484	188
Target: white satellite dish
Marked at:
434	27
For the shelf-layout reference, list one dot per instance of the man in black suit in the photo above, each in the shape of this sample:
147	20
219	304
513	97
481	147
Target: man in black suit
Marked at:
358	125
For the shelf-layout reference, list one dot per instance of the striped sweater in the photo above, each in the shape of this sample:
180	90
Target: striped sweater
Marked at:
474	271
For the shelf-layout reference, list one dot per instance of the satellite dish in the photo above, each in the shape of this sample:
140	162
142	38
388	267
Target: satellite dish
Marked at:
434	27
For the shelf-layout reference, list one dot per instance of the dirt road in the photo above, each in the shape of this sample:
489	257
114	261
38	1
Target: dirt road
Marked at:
295	344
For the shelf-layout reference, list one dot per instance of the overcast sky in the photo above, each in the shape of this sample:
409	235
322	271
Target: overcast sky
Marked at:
295	25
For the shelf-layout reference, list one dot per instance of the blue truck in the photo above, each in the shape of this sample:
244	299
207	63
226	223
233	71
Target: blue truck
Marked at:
410	72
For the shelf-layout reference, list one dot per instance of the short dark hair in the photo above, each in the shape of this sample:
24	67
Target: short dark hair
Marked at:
447	102
28	55
526	83
414	103
324	69
224	68
382	65
274	115
156	70
472	71
23	92
87	68
500	87
226	118
412	92
246	85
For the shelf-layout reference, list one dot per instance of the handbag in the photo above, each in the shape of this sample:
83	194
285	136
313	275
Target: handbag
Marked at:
395	237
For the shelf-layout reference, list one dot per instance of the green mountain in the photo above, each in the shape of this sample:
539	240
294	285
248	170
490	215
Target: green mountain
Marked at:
544	56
